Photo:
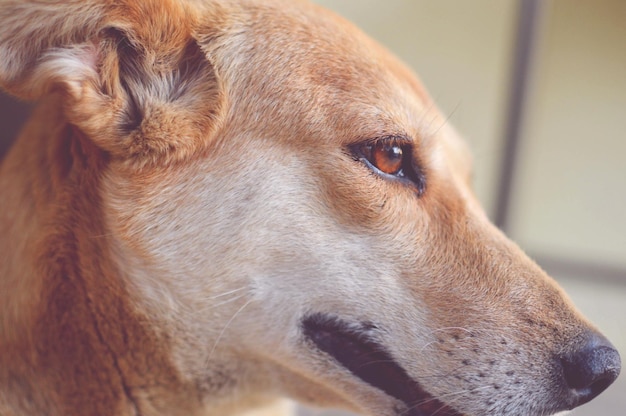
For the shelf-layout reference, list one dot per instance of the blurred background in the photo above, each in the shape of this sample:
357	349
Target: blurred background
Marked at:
538	88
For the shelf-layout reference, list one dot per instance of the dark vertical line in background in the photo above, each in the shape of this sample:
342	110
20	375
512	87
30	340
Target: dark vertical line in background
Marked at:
13	114
525	42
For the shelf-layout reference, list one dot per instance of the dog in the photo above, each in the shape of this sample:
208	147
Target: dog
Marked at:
219	205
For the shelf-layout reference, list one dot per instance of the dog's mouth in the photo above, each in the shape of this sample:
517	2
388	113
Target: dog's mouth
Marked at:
352	347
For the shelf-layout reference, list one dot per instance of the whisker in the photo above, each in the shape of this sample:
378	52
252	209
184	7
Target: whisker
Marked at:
448	117
440	398
224	302
229	292
219	337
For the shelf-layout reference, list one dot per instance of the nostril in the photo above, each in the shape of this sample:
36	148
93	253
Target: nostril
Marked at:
591	369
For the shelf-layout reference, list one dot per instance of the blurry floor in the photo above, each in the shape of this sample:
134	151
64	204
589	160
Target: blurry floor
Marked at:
605	305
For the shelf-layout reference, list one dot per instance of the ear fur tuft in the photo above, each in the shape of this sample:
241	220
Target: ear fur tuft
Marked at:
132	76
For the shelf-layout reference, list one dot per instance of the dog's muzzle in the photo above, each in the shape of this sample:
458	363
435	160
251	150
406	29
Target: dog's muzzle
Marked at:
368	360
588	369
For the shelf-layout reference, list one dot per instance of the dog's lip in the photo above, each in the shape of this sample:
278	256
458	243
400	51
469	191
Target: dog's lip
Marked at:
352	347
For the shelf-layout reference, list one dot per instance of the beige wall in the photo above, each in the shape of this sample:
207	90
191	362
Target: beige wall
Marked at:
570	198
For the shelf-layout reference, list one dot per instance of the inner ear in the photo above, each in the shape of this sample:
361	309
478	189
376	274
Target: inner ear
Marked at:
193	65
137	72
128	68
170	102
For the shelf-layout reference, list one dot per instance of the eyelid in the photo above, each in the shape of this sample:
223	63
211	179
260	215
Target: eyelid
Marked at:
412	171
400	140
394	139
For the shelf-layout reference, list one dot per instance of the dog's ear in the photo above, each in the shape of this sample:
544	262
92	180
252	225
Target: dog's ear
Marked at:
132	76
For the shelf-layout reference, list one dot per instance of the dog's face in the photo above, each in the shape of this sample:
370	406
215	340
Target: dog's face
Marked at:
296	204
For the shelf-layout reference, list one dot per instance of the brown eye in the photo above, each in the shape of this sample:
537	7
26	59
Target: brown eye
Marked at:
393	158
387	157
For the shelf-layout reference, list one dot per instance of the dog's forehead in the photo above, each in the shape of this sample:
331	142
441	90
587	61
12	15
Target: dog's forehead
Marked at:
309	73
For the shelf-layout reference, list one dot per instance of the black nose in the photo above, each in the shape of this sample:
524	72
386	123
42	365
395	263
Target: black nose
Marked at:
590	369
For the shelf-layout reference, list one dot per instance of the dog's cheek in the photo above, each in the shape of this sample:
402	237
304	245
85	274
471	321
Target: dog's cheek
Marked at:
364	202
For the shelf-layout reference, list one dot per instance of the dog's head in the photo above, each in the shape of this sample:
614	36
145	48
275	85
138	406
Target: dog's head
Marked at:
287	204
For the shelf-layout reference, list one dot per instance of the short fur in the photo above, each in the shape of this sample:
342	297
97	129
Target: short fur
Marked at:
183	195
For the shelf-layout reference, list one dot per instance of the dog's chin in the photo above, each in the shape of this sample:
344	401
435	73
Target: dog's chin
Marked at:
352	347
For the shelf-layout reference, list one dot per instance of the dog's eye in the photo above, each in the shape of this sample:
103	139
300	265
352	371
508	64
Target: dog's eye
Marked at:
387	157
391	158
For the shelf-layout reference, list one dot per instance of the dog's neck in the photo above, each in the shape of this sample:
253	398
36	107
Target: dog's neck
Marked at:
68	326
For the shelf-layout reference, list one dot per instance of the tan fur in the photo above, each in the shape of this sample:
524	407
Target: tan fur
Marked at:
182	196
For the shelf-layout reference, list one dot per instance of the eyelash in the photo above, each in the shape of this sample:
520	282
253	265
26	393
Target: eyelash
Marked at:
408	171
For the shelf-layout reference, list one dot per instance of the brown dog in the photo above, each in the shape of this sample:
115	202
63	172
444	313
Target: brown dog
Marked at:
222	203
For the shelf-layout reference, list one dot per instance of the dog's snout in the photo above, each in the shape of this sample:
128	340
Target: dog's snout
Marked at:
591	368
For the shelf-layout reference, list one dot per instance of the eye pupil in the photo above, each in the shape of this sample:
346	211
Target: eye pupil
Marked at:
387	157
